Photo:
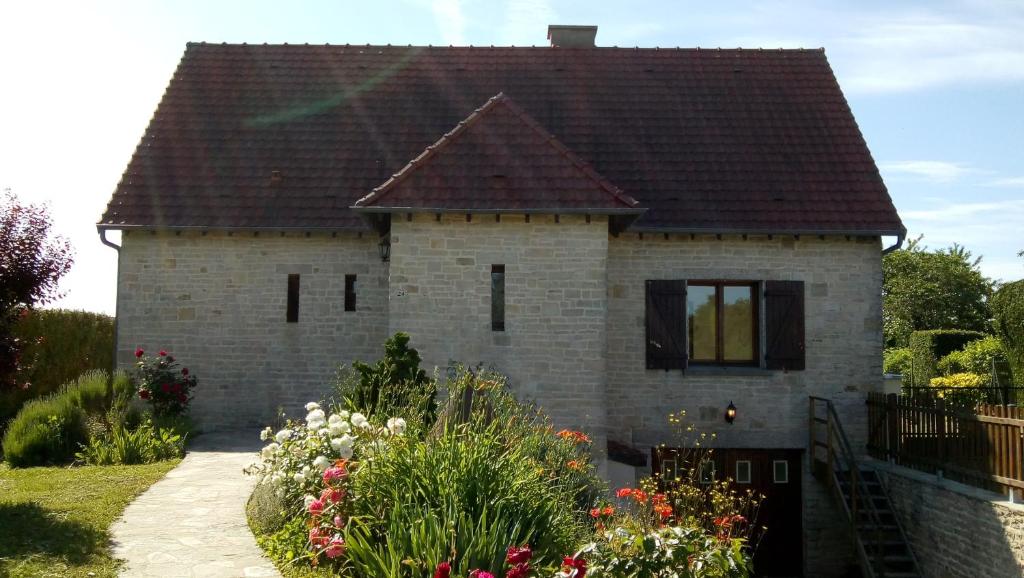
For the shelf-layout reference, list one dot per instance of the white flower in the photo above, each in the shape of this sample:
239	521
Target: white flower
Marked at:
343	414
359	420
312	406
324	432
306	470
396	426
335	418
266	434
339	428
346	452
345	441
316	419
307	500
283	435
299	477
322	462
269	451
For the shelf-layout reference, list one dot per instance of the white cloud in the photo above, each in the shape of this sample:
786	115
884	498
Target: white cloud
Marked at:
450	20
934	171
996	212
1009	182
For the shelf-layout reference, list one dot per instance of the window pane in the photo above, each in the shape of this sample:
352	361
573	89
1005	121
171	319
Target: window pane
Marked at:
497	297
738	318
701	315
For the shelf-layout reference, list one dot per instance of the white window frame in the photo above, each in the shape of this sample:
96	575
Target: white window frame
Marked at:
740	480
775	471
700	473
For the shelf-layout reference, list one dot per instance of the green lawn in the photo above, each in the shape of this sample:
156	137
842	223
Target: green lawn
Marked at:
54	521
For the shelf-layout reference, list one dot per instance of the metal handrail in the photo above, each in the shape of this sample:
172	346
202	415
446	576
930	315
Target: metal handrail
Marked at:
835	435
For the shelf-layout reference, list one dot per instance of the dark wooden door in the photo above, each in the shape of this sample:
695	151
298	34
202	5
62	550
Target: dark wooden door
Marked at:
775	474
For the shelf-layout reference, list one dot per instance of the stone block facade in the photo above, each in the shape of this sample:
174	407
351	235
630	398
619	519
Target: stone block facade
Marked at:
574	337
218	303
553	345
957	531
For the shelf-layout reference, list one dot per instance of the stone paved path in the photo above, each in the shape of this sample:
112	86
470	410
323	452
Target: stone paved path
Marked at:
192	522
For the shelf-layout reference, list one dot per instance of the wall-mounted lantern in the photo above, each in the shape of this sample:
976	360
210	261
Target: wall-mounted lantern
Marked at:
385	248
730	413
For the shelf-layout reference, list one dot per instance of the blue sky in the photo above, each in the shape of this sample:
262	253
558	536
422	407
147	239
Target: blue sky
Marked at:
937	88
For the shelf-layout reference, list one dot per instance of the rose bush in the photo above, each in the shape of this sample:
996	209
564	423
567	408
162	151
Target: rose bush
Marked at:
162	384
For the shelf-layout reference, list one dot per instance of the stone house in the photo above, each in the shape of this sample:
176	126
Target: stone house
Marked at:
625	233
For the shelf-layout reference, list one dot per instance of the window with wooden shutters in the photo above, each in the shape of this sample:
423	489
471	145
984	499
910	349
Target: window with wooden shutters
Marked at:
666	324
784	325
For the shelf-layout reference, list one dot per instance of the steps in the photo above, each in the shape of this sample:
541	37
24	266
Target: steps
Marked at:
878	530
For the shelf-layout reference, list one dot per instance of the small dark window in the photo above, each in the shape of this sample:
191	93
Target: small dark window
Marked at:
780	471
497	298
350	292
742	471
706	472
293	299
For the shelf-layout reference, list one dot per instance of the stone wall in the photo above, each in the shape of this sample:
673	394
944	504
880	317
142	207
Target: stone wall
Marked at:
842	283
553	346
218	303
957	531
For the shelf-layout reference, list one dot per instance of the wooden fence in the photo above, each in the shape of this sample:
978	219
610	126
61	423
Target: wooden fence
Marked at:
983	446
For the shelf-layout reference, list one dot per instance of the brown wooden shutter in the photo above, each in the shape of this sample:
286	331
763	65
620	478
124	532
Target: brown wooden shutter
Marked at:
666	324
784	325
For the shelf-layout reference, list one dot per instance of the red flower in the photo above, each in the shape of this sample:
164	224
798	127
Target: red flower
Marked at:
640	496
624	492
184	371
331	495
182	397
518	571
519	555
480	574
595	513
577	565
318	538
144	393
166	387
162	353
444	570
139	352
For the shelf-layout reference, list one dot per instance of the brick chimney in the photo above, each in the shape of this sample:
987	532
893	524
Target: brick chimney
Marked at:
567	36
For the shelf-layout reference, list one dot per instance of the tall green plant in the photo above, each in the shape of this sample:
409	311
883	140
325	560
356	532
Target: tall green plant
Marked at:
1008	310
393	386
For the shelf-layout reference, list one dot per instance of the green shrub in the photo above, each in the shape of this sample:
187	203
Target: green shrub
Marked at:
959	380
394	386
928	347
59	345
45	431
1008	310
976	357
474	487
123	446
265	509
896	360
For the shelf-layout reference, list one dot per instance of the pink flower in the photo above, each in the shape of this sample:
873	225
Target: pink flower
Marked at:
518	571
519	555
331	495
480	574
335	473
316	507
444	570
335	548
162	353
318	538
139	352
338	522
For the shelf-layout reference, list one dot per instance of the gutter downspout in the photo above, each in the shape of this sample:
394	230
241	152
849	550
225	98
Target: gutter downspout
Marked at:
899	243
117	296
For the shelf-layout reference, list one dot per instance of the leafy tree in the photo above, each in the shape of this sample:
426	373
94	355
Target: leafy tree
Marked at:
925	289
393	386
32	261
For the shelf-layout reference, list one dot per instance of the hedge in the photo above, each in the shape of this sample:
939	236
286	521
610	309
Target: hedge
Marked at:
1008	311
60	345
928	347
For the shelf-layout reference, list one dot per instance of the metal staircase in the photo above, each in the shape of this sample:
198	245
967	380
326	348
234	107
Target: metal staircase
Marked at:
879	541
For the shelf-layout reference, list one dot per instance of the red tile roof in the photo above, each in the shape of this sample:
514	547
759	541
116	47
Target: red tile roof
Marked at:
706	140
499	159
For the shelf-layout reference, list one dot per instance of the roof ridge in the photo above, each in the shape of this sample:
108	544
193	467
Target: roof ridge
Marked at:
768	49
381	191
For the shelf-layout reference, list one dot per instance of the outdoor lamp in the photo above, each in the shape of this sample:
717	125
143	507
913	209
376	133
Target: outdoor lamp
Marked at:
730	413
385	248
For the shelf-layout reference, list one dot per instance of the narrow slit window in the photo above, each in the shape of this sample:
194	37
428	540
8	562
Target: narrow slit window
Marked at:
742	471
350	292
293	299
780	471
497	298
